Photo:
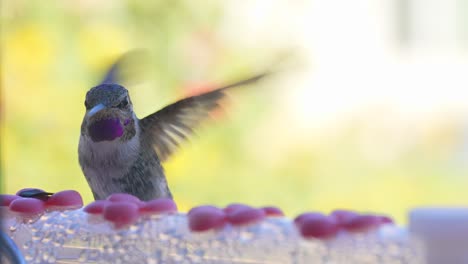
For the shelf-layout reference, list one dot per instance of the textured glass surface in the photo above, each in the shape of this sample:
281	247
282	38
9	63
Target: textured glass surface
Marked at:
76	237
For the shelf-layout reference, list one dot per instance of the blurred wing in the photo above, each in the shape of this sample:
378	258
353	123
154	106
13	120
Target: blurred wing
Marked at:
127	67
111	75
166	128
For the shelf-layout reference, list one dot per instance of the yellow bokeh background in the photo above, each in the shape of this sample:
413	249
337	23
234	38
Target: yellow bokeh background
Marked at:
291	141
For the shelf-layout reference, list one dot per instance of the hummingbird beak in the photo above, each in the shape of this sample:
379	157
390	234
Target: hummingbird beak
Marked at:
95	110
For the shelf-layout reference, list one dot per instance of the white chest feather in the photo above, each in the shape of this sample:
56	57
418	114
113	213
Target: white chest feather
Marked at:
103	161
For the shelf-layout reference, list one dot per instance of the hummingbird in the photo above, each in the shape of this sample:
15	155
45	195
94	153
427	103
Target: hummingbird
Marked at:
120	153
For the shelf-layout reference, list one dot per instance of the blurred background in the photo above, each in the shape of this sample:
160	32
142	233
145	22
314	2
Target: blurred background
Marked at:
374	117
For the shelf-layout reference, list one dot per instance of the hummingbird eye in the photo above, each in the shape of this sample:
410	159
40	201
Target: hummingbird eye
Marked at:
124	103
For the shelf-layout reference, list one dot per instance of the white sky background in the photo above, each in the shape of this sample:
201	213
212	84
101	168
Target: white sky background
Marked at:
356	59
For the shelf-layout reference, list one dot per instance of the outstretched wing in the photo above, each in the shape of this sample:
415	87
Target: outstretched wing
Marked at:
166	128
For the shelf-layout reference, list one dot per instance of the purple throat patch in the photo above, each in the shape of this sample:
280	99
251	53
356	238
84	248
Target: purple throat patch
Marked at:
105	129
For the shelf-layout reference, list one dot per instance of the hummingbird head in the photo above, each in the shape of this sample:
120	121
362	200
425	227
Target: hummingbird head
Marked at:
109	114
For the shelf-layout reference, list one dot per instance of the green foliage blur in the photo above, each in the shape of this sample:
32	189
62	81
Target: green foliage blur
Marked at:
53	53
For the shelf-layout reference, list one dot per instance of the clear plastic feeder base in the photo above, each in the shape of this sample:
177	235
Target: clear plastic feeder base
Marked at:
77	237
